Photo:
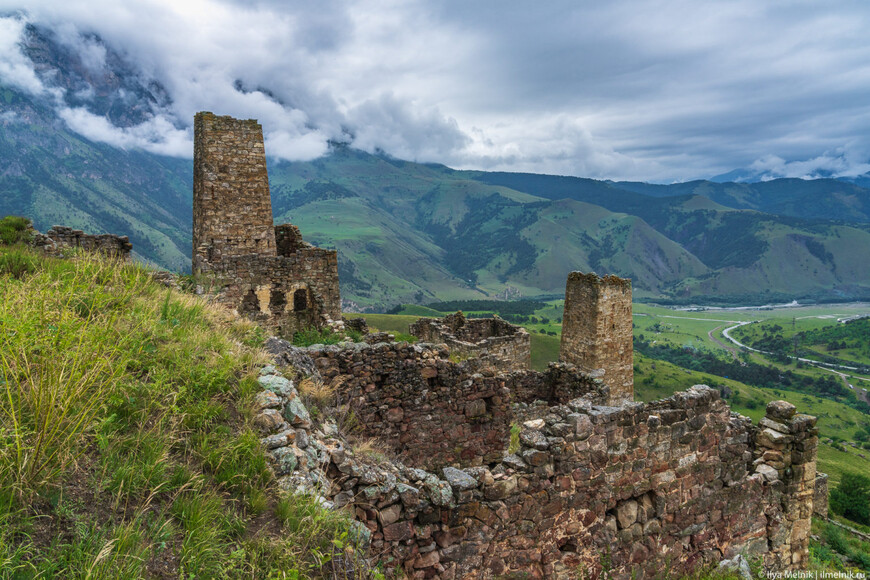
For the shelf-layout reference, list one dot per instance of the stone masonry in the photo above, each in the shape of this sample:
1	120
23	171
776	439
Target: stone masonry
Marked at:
640	490
60	237
265	272
433	412
509	345
232	208
597	330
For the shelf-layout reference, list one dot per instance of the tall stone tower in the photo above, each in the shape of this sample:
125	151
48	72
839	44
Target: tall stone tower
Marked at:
597	330
232	210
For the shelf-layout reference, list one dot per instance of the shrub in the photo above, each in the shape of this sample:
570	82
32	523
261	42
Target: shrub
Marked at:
851	498
14	229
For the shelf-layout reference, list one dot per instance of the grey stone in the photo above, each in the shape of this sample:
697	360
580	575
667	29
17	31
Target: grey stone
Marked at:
533	438
738	564
514	462
458	479
281	439
769	473
626	513
286	354
278	385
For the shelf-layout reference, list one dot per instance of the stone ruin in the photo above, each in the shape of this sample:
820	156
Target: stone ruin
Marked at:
634	491
499	470
597	330
265	272
506	346
59	238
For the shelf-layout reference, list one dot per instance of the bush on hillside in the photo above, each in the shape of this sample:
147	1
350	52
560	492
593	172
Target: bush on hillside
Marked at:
14	229
851	498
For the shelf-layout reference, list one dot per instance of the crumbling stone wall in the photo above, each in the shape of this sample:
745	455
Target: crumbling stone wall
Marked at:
643	490
432	411
265	272
785	455
508	345
60	237
597	330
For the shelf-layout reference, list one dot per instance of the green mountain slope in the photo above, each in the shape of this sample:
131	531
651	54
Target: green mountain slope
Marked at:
828	199
55	176
409	232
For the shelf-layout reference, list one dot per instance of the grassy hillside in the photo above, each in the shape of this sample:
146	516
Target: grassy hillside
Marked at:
127	450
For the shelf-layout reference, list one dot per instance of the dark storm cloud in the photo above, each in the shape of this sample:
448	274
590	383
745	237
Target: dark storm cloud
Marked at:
664	91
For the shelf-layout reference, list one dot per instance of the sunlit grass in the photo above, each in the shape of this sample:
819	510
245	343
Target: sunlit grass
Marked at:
124	424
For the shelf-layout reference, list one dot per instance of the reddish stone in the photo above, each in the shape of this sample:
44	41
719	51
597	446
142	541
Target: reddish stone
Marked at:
399	531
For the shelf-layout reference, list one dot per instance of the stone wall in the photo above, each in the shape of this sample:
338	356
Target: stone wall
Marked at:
643	491
435	412
785	455
59	237
508	345
287	293
597	330
232	209
265	272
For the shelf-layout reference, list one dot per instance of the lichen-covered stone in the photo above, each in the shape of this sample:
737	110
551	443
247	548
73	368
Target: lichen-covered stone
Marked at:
285	460
458	479
277	385
297	414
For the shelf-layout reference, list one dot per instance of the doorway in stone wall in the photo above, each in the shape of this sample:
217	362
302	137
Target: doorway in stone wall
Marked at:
300	300
277	301
250	303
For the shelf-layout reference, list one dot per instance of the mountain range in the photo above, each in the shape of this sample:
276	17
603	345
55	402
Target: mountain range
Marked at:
411	232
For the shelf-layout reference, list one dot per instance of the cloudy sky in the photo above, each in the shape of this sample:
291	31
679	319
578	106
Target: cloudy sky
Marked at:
665	90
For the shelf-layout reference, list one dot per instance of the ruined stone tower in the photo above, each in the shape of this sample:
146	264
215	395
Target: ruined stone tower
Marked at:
232	210
265	272
596	330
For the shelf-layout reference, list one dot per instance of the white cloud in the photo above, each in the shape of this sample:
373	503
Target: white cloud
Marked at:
15	68
157	135
625	89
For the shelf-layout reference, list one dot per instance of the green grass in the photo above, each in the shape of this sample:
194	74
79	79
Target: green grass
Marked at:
13	229
126	449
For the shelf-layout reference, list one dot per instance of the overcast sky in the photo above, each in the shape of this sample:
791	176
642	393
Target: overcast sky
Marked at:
665	90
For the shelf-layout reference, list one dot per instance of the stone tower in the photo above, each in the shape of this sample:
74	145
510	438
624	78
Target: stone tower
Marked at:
232	210
267	273
597	330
